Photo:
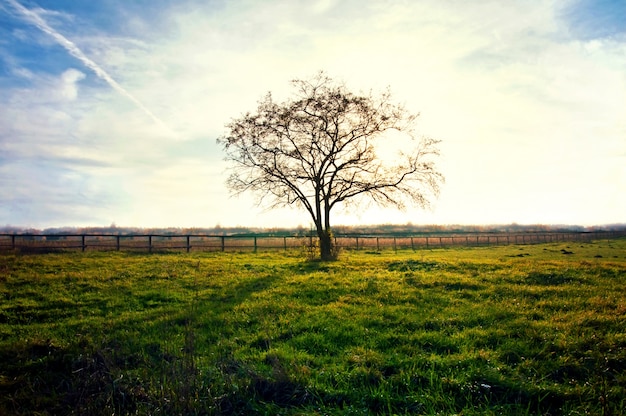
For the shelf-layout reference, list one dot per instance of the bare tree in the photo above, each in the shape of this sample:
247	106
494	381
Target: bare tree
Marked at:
318	150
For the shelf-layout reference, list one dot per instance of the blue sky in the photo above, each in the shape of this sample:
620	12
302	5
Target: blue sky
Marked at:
109	110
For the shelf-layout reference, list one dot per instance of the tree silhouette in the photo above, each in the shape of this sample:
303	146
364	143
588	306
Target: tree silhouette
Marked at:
318	150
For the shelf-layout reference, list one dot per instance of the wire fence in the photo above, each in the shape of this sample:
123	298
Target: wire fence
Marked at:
204	242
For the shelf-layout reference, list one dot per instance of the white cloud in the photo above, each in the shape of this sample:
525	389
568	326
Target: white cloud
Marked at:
69	87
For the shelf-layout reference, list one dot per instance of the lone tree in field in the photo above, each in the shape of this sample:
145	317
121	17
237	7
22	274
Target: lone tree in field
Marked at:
318	150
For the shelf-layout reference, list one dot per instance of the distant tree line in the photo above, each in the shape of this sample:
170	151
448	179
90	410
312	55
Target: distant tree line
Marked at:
374	229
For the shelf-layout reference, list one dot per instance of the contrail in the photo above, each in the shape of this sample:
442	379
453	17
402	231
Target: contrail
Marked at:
41	24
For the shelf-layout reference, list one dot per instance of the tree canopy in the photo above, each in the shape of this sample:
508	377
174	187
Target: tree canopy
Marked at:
318	150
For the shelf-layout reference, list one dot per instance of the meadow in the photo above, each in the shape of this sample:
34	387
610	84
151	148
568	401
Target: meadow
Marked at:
515	330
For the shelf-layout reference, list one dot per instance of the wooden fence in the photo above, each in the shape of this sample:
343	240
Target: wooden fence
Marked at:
201	242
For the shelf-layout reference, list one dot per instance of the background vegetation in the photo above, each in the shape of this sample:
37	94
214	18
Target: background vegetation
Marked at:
384	229
500	330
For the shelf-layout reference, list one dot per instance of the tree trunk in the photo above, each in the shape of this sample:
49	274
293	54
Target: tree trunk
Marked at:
326	245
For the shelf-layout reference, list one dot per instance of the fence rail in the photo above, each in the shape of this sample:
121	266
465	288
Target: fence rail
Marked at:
205	242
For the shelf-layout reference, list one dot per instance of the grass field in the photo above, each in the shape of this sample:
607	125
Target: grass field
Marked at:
516	330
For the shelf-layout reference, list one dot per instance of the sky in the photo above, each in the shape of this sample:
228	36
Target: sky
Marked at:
110	109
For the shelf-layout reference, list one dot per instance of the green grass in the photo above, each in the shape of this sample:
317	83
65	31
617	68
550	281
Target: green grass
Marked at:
503	330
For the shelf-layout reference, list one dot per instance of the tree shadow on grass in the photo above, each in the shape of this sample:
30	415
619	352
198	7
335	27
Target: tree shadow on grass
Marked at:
230	296
551	278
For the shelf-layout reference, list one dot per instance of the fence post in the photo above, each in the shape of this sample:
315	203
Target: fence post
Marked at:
412	245
13	242
188	245
377	244
285	243
357	243
223	243
150	243
395	248
255	246
117	242
82	242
